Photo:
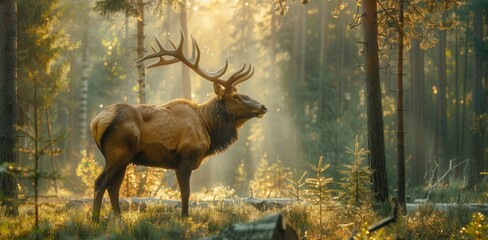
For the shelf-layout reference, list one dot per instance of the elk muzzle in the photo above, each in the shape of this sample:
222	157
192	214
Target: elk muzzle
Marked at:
259	113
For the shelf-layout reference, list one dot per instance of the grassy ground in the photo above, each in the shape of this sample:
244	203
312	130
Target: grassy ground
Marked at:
164	222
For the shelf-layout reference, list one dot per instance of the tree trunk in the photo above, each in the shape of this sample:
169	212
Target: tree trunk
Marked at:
457	129
303	45
417	113
141	74
83	100
141	79
185	73
341	34
477	132
465	79
376	141
8	62
322	59
442	107
400	133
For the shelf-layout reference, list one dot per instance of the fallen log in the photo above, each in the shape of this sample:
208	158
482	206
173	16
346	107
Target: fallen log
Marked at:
470	207
142	203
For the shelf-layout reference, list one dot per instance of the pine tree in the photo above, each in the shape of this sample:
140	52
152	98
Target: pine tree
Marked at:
318	191
356	184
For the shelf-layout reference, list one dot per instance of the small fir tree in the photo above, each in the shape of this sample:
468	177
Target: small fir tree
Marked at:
296	184
270	179
476	229
356	182
318	191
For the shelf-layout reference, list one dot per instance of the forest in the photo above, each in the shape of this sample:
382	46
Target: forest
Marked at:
367	110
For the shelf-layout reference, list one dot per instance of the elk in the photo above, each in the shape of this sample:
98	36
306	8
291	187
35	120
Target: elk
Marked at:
177	135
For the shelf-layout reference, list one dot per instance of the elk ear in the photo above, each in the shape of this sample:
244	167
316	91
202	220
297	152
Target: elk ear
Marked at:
219	90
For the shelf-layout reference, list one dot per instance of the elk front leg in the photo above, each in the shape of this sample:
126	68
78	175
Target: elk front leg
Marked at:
183	174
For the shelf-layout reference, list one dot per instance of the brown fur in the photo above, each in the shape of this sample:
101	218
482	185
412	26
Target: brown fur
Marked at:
178	135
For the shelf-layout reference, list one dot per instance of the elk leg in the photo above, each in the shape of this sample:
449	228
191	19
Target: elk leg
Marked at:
114	188
100	187
97	200
183	174
106	179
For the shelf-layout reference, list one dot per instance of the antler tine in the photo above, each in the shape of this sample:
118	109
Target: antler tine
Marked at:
182	41
240	74
195	52
159	54
172	44
247	76
232	78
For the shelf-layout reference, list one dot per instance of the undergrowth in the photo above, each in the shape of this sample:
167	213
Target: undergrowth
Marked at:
160	221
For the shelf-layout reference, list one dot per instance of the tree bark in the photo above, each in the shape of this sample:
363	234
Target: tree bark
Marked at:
376	141
457	129
400	132
477	132
442	107
141	74
417	113
8	62
185	73
83	98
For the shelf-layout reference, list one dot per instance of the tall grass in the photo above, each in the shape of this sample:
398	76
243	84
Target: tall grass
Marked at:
165	222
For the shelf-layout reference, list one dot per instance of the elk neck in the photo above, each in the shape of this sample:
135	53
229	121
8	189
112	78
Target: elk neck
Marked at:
220	126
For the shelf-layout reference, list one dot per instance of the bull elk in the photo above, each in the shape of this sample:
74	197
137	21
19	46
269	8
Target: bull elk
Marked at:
177	135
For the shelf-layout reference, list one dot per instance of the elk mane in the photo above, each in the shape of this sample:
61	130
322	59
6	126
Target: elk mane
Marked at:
221	127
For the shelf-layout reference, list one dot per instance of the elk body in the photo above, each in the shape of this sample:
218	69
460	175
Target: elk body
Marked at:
177	135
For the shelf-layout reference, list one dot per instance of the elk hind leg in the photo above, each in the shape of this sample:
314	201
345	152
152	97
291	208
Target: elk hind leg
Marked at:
114	188
100	188
111	178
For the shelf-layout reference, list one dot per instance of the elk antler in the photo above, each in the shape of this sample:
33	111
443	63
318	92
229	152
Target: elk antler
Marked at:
194	63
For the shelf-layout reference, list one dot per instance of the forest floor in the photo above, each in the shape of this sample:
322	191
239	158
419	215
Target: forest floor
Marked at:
142	219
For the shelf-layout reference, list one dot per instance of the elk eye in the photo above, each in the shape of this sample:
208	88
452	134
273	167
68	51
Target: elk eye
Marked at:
236	97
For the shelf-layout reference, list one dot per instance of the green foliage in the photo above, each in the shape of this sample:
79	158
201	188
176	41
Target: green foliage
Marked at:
142	181
300	217
41	42
88	170
111	7
356	183
476	229
318	190
241	178
296	184
429	223
270	179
